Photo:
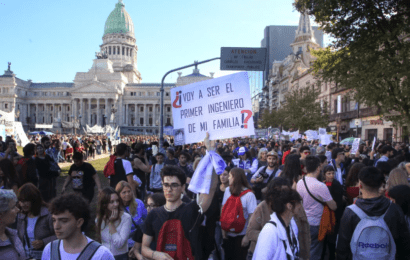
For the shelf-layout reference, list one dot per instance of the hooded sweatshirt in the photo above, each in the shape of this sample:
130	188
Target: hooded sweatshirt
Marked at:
394	219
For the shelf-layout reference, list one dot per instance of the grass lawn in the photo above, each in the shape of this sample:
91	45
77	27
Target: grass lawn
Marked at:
99	167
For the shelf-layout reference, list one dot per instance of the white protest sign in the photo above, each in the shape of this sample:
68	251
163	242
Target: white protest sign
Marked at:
294	135
311	135
355	145
374	142
325	139
322	131
220	106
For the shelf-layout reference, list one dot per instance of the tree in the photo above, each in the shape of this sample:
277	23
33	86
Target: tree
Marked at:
370	52
271	119
301	111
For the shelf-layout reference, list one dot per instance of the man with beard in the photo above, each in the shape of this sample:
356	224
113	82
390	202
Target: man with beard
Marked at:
265	173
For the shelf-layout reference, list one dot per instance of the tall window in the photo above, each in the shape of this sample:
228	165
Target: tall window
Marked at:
150	121
141	121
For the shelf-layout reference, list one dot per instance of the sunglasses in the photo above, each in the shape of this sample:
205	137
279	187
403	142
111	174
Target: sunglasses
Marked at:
306	152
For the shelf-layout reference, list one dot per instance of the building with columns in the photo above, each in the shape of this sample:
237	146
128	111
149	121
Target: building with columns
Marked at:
113	83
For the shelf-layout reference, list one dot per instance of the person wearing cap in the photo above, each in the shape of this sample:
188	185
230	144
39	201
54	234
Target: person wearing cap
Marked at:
246	162
265	173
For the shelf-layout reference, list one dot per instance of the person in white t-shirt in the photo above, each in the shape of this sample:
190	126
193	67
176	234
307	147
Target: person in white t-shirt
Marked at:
70	214
313	208
236	244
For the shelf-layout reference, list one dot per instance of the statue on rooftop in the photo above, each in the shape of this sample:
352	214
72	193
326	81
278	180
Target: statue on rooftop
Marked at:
9	63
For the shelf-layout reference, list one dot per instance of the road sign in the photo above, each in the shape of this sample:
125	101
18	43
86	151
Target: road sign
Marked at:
248	59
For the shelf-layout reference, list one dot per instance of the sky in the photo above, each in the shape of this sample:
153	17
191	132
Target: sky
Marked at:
49	41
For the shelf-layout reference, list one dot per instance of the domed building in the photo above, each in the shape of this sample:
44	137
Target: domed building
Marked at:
110	92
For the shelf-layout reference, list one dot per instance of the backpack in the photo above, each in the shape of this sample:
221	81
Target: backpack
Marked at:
87	253
372	238
232	219
109	167
172	240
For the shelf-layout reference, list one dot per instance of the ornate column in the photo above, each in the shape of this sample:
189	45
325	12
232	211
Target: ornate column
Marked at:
136	114
35	121
98	112
145	115
126	114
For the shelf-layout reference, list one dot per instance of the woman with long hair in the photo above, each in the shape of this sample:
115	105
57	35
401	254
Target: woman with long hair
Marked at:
113	224
34	223
132	206
8	175
397	177
271	244
352	182
154	200
235	244
292	170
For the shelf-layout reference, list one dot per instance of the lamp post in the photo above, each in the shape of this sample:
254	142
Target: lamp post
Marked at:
161	119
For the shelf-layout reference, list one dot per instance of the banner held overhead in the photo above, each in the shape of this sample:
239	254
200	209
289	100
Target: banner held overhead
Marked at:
220	106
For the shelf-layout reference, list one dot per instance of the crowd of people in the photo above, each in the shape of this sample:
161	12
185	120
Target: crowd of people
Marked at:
272	200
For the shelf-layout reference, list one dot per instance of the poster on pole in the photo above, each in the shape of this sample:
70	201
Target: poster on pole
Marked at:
220	106
355	145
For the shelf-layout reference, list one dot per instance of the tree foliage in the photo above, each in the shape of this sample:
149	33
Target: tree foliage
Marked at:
370	52
301	111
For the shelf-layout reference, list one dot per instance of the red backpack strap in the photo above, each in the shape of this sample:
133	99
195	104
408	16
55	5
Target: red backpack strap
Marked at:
244	192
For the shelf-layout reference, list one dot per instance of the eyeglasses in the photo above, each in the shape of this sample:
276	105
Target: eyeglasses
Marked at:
172	185
306	152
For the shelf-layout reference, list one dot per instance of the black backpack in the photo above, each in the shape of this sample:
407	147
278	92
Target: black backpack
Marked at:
87	253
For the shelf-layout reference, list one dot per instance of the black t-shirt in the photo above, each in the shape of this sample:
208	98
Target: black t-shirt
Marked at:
122	168
83	180
171	162
189	171
187	213
140	174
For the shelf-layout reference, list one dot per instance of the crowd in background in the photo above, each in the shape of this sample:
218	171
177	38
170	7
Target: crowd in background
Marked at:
298	200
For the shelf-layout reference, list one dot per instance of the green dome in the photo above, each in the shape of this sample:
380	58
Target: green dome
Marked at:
119	21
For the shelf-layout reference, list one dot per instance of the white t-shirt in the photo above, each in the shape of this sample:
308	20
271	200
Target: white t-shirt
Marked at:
102	253
248	204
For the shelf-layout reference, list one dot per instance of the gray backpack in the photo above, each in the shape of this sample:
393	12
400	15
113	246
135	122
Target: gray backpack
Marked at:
371	238
87	253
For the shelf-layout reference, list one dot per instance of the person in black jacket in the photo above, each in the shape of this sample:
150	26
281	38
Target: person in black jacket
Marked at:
374	204
336	190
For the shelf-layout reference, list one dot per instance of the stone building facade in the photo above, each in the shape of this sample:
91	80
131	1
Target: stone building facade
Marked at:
110	92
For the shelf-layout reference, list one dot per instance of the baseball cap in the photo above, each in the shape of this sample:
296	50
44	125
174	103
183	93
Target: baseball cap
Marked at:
272	153
242	151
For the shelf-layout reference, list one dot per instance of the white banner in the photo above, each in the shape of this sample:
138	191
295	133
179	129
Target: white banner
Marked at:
44	126
294	135
21	137
325	139
220	106
311	135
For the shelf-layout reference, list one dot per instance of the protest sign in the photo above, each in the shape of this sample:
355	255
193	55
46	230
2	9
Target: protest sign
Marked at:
374	142
311	135
294	135
220	106
261	133
325	139
355	145
322	131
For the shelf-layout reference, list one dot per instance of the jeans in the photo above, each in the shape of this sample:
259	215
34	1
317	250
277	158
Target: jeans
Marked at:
218	254
316	247
121	257
234	250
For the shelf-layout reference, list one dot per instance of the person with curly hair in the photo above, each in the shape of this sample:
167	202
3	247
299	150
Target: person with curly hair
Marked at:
70	214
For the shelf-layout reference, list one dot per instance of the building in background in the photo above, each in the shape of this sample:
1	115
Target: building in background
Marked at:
110	92
278	39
